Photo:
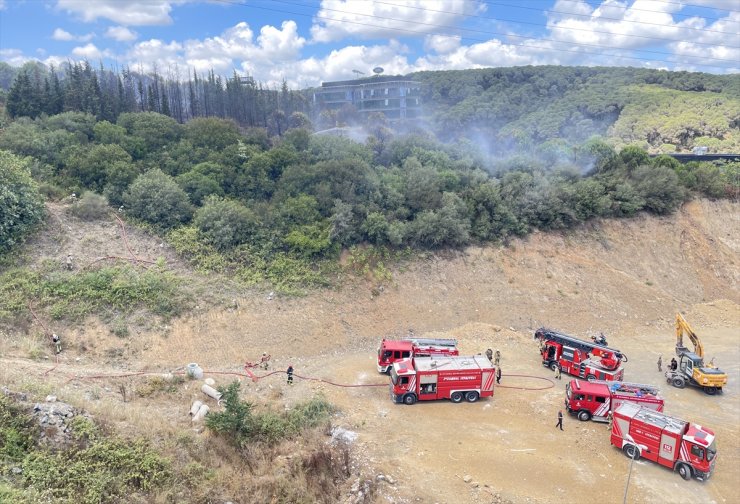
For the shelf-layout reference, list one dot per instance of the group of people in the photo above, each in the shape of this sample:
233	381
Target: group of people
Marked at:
496	361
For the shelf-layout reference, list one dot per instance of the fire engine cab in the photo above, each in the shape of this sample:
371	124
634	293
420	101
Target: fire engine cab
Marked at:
430	378
391	351
593	400
688	448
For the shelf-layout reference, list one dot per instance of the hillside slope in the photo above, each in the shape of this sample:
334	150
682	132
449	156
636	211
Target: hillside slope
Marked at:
626	278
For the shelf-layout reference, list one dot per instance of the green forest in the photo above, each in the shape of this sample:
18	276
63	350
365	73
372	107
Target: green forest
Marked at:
261	197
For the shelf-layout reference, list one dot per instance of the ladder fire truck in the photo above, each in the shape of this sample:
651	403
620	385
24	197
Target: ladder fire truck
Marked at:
391	351
429	378
687	448
578	357
593	400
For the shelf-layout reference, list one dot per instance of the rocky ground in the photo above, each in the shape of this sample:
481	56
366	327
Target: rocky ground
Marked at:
624	278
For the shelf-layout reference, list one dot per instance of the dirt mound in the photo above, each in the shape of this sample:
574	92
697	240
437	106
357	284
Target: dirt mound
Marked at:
626	278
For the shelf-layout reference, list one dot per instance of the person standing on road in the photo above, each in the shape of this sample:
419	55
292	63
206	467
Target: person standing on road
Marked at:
290	374
560	420
498	375
498	358
660	363
557	373
489	354
674	364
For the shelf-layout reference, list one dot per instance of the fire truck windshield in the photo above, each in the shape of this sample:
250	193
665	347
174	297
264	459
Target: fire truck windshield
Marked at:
711	451
394	376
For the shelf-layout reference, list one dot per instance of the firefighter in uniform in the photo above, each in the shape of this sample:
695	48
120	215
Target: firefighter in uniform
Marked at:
560	420
660	363
264	361
498	358
290	374
498	375
489	354
57	342
609	420
557	373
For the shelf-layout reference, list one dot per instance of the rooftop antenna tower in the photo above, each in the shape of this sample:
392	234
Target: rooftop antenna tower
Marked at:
358	73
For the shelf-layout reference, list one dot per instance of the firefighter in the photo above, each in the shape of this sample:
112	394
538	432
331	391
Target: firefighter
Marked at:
557	373
609	420
264	361
68	262
498	375
489	354
498	358
57	342
674	364
660	363
290	374
560	420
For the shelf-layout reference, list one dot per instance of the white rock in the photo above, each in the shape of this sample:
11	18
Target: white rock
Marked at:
467	478
51	398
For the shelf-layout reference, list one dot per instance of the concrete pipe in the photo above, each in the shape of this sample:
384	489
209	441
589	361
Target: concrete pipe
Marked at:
202	412
211	392
195	407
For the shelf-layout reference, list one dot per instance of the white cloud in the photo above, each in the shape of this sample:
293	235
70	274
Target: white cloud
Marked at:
65	36
2	5
123	12
338	19
90	52
14	57
60	34
121	34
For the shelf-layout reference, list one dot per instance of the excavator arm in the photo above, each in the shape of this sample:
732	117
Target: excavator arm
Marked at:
683	327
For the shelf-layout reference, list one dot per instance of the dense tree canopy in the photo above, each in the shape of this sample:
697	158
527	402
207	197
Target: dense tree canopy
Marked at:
21	205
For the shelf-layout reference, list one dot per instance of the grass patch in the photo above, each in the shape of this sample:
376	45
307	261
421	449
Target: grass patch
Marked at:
17	432
159	385
283	271
108	290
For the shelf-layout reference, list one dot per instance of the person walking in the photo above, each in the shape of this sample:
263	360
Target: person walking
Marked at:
290	374
660	363
498	375
557	373
498	358
560	420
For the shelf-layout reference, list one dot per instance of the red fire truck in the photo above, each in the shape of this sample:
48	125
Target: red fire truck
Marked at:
590	360
687	448
391	351
595	399
454	378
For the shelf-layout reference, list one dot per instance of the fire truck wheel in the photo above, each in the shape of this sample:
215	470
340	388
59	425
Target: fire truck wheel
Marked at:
678	383
584	416
471	396
684	471
456	397
631	451
409	399
710	390
553	365
591	377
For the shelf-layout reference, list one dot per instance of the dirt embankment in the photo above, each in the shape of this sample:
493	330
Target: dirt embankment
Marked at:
624	278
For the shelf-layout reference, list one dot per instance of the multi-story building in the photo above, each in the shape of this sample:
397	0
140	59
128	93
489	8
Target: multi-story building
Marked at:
394	96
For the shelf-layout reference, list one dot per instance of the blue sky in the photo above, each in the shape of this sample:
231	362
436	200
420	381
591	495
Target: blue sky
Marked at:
309	41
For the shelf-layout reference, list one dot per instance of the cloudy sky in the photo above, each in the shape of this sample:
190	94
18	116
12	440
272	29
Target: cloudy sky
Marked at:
309	41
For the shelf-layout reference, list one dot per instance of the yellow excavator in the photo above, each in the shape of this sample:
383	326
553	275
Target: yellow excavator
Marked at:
691	369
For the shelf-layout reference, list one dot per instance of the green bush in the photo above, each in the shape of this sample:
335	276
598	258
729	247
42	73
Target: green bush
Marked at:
90	207
21	205
242	425
225	223
17	431
156	198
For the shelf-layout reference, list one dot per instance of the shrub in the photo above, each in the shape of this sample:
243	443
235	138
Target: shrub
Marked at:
21	205
225	223
659	187
90	207
155	197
